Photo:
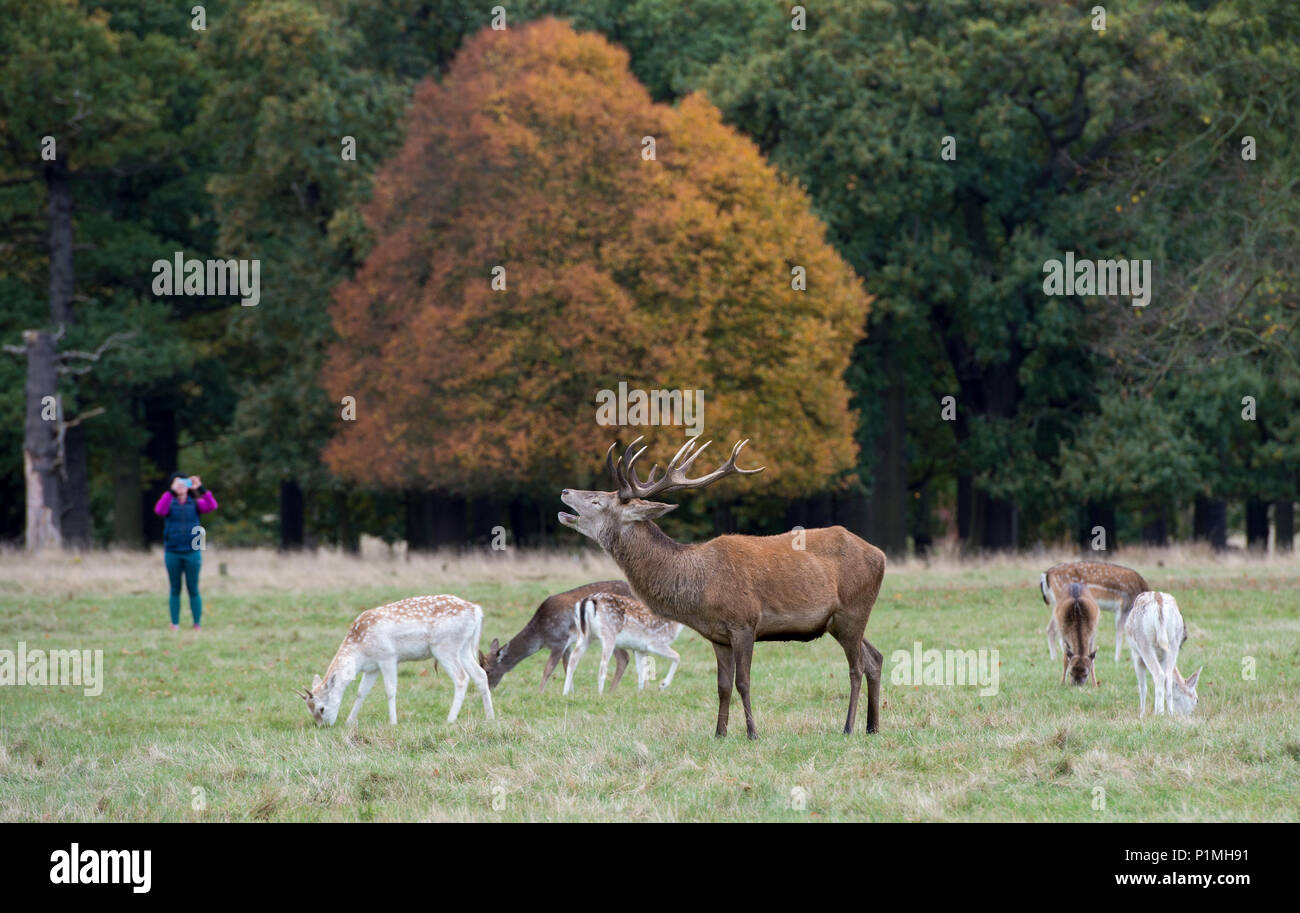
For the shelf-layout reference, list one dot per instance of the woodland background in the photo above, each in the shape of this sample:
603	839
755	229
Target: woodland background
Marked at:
776	148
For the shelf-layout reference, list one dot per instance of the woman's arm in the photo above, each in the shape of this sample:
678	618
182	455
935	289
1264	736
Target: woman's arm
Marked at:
164	504
206	502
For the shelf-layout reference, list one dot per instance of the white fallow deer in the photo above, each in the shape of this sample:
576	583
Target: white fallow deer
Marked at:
620	621
446	628
735	590
1156	633
1113	586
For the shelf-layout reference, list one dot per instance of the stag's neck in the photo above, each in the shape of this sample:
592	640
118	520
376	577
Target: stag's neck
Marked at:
524	644
664	573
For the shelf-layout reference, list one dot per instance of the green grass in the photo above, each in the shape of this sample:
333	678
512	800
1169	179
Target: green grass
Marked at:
214	712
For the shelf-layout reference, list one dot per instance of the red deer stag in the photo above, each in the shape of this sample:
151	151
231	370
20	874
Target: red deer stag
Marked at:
735	590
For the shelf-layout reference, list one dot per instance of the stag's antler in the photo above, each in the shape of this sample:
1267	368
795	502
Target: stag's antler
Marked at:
674	478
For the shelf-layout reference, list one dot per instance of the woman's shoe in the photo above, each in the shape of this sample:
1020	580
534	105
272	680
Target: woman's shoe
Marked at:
176	627
197	628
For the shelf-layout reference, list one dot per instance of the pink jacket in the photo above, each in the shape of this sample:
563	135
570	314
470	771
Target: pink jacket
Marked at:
204	503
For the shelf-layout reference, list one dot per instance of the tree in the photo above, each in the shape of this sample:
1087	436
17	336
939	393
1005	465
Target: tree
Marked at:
674	272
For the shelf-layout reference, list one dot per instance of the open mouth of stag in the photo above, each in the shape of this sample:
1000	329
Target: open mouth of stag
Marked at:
567	519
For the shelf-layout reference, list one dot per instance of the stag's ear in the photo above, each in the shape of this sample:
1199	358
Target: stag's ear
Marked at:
646	510
1191	682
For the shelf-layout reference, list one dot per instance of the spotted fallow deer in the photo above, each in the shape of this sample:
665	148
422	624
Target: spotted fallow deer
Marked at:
621	621
1112	586
444	627
735	590
552	628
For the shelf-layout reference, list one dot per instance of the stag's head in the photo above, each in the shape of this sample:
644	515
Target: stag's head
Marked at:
493	662
322	710
601	515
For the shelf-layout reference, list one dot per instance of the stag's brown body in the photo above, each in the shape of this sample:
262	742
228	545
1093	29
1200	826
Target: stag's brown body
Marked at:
735	590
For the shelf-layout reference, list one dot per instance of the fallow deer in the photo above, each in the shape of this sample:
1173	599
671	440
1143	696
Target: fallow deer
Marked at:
1075	616
1155	634
735	590
621	621
1112	586
444	627
552	626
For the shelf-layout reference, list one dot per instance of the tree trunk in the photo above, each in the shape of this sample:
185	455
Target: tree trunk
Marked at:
1283	525
128	528
346	535
921	522
1210	522
1155	528
41	445
447	520
162	450
291	515
1096	515
1256	525
76	489
419	522
889	507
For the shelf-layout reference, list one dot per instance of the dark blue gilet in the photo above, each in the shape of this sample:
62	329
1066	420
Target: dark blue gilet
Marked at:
178	529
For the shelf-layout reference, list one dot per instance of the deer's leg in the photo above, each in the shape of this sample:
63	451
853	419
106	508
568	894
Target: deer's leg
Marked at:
620	666
571	664
726	675
460	678
1051	636
742	648
873	663
479	678
606	651
673	658
550	667
389	671
855	653
641	670
367	682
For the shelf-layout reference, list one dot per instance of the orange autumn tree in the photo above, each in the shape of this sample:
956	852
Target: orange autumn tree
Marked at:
666	273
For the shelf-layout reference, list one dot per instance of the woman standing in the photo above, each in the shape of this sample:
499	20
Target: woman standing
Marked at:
183	540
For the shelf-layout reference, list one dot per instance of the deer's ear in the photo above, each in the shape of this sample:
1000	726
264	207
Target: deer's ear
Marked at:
1191	682
647	510
494	646
315	682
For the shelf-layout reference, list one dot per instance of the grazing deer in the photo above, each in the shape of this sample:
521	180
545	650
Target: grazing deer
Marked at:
551	626
735	590
1075	617
1155	634
1112	587
621	621
444	627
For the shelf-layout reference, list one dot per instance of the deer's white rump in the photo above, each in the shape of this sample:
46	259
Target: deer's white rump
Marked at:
621	621
444	627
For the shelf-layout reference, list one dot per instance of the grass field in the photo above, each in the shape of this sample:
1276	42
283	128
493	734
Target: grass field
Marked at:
204	727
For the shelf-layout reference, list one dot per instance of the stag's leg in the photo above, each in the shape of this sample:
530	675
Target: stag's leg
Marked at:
1141	671
855	652
1051	636
726	675
551	662
389	671
367	682
742	648
1120	617
620	666
873	662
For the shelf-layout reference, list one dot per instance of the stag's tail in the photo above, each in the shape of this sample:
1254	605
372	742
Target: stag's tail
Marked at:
1042	585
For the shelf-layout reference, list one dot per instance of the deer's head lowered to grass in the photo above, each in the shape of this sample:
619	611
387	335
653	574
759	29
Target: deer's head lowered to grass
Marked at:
735	590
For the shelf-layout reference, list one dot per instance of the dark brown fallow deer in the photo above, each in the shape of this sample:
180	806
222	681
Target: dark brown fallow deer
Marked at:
735	590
